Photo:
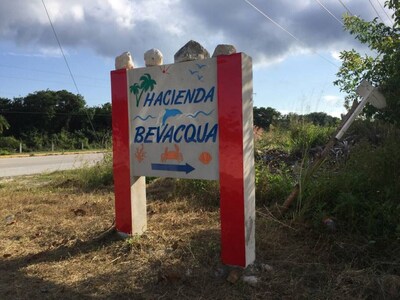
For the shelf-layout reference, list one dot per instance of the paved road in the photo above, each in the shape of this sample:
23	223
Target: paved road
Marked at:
44	164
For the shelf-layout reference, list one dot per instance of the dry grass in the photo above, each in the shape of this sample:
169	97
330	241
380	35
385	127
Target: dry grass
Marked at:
52	246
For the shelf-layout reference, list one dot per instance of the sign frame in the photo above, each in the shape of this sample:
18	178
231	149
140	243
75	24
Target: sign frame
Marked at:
236	160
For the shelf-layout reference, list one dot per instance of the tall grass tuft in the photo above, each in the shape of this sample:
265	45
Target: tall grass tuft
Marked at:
305	136
200	192
96	177
272	187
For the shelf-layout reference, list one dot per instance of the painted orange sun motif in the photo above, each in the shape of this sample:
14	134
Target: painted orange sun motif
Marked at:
205	157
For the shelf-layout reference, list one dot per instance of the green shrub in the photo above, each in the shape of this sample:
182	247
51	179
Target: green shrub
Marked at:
275	138
305	136
272	187
9	144
4	152
363	194
95	177
98	176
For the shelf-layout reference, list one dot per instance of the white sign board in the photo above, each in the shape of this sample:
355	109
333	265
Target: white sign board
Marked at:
174	120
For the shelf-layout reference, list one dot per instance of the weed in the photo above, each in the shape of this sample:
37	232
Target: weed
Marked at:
99	176
201	192
272	187
305	136
275	138
362	195
4	152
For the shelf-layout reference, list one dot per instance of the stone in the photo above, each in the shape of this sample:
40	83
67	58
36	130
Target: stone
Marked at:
250	280
191	51
223	49
234	275
153	57
10	219
266	268
124	61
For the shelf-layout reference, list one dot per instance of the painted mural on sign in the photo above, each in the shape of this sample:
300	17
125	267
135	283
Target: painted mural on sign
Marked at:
174	120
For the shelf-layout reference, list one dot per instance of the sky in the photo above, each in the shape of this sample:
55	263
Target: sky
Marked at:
295	45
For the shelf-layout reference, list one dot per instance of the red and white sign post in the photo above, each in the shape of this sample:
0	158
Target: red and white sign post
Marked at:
187	120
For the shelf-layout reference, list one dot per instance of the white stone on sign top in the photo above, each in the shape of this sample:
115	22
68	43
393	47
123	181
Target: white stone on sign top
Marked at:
191	51
124	61
153	57
223	49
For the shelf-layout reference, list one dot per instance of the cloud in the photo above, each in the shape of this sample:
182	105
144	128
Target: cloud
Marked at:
335	55
109	27
333	99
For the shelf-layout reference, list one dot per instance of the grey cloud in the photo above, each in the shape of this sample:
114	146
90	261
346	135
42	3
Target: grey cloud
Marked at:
251	31
205	21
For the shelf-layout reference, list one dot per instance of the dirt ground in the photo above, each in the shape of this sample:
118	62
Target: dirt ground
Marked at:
56	243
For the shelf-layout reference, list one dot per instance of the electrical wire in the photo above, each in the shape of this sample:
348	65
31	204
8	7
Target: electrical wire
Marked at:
375	10
275	23
66	62
61	49
389	18
289	33
346	8
329	12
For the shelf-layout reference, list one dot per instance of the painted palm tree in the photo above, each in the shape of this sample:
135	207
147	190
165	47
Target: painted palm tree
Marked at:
134	89
146	83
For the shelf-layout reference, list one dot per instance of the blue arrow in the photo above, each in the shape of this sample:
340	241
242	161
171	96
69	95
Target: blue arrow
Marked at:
177	168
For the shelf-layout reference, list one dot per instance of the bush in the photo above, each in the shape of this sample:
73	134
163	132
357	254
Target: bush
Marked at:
272	187
275	138
99	176
305	136
9	144
363	194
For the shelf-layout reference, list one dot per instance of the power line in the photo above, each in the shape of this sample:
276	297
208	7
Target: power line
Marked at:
59	45
65	59
346	8
275	23
289	33
375	10
390	19
329	12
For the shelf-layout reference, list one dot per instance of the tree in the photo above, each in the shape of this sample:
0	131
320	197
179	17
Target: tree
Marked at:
70	111
320	119
264	117
4	125
382	69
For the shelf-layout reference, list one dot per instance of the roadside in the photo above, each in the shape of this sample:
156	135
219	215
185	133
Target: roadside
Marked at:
35	164
66	152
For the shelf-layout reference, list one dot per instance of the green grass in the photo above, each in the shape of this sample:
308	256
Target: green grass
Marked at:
362	194
99	176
